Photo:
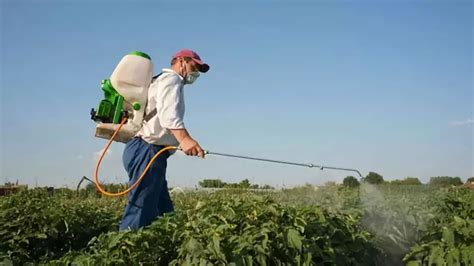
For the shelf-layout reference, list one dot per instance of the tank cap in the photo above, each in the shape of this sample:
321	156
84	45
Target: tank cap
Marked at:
136	106
142	54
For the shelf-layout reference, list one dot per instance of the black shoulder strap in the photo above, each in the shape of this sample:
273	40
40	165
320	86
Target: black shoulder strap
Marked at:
150	115
153	112
156	76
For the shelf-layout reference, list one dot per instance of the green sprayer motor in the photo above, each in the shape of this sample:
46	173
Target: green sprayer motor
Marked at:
110	108
125	96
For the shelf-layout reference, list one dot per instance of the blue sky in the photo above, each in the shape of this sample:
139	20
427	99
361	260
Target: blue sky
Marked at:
379	86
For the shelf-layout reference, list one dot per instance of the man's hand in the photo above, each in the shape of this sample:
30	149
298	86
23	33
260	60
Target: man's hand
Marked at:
188	144
191	147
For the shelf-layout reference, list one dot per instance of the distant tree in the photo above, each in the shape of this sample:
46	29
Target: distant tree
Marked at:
9	184
244	183
407	181
212	183
373	178
90	186
445	181
412	181
327	184
231	185
470	179
217	183
350	181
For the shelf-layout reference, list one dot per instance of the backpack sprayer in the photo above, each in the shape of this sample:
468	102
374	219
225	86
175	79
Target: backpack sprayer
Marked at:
120	114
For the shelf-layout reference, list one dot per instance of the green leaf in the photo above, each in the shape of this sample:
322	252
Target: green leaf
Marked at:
414	263
436	256
467	255
193	246
294	239
452	257
448	236
41	236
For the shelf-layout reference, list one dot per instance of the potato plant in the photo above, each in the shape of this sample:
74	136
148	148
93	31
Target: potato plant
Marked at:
331	225
244	230
37	225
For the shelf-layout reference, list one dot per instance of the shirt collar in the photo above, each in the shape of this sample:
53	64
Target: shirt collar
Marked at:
169	70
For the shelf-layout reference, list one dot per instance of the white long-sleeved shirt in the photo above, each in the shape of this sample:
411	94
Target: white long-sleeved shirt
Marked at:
166	95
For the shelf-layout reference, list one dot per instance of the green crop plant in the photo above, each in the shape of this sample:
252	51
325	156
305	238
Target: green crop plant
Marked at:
383	224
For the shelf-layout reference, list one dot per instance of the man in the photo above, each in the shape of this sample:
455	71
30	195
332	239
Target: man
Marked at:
163	126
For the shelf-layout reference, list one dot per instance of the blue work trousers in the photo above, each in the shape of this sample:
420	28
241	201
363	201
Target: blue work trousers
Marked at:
150	198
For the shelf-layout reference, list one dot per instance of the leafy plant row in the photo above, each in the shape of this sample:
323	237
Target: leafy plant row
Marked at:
243	230
38	225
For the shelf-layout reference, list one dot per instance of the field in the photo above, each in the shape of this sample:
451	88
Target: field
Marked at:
330	225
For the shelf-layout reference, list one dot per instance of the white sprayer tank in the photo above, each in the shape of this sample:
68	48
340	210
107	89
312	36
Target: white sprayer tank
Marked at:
131	79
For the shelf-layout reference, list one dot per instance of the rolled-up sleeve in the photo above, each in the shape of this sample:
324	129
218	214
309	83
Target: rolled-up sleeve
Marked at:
170	111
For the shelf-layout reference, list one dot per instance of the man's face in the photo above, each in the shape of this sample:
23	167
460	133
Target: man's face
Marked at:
190	66
189	70
185	66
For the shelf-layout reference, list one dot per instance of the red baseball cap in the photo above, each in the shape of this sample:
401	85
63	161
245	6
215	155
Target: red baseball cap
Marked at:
203	67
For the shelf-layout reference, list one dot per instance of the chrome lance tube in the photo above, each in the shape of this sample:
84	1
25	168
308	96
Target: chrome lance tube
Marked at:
310	165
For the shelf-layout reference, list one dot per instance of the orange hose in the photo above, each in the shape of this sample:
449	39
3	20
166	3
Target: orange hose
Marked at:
121	193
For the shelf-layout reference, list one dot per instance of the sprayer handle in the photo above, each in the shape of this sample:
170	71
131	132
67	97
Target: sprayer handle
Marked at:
181	149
